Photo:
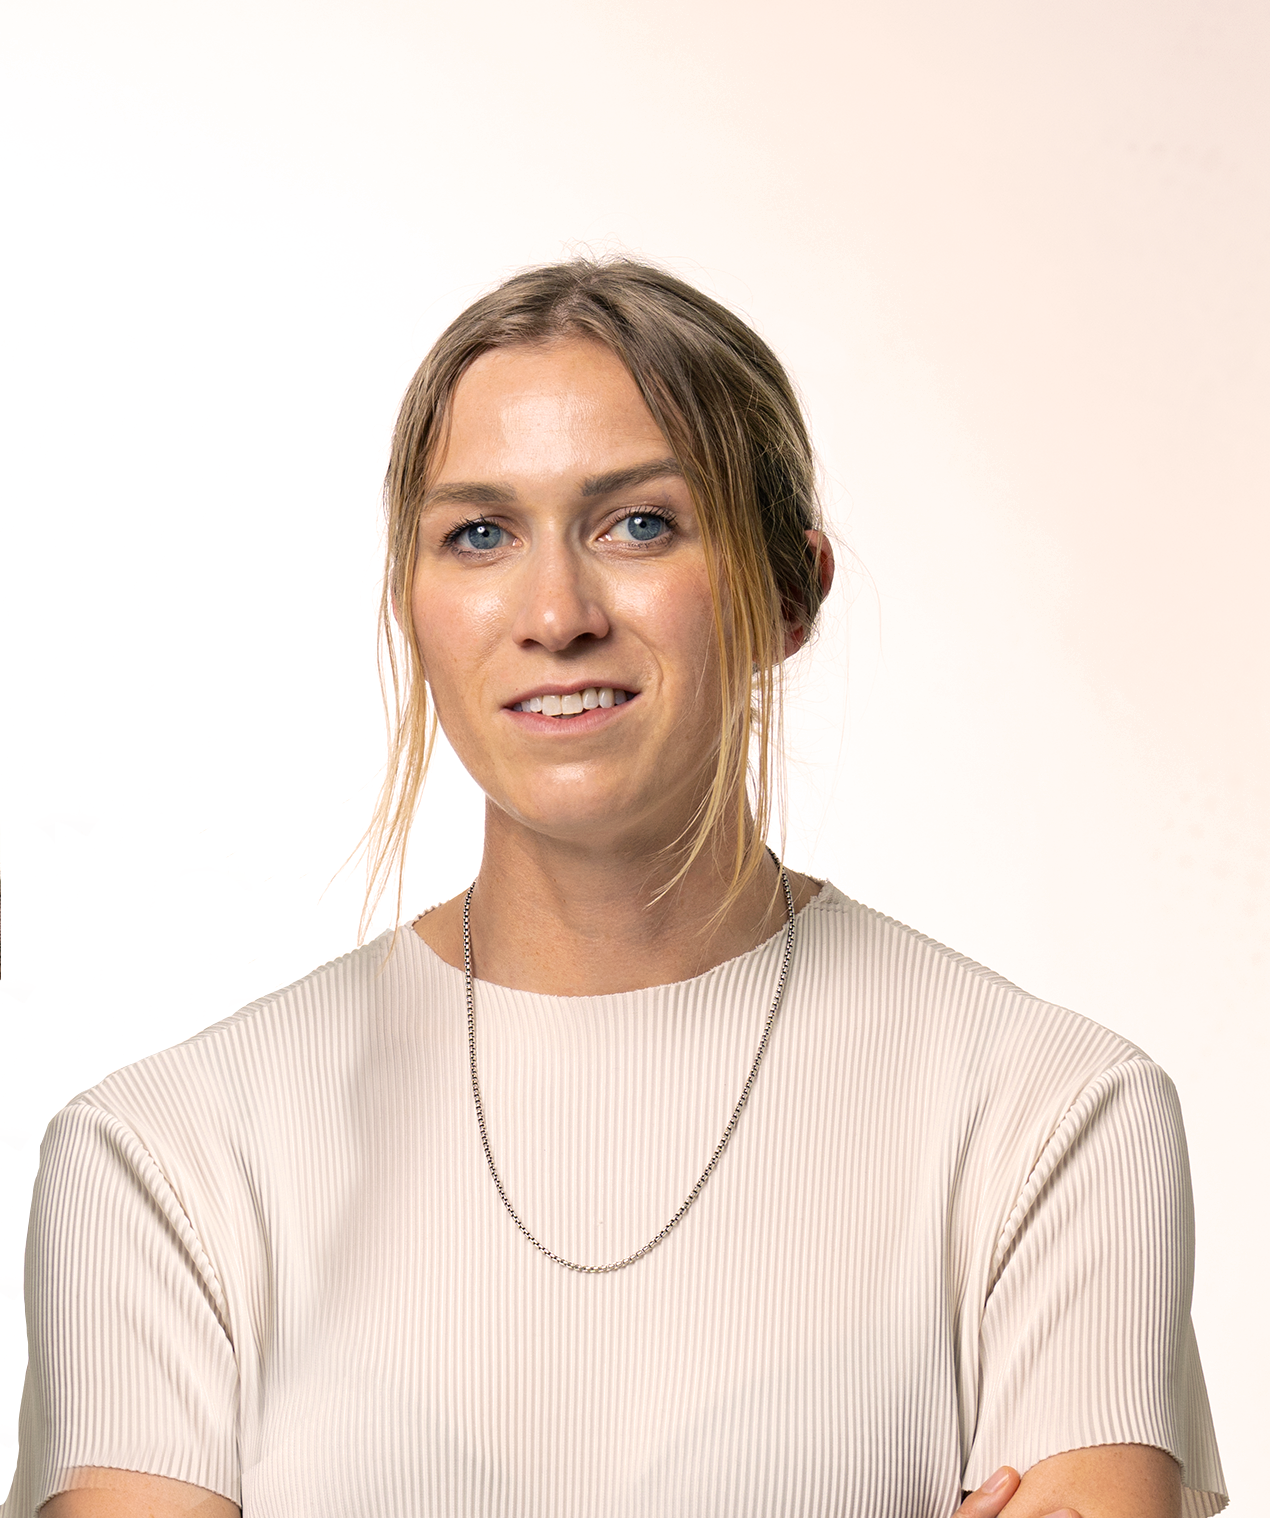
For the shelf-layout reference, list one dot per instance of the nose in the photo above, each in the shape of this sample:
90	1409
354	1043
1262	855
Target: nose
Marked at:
560	600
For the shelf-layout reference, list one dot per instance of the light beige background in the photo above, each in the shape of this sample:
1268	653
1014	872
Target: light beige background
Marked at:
1015	254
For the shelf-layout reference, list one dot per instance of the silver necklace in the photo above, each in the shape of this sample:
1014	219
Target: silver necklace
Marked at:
719	1148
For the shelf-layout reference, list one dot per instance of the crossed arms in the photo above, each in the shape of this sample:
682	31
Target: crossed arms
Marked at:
1108	1481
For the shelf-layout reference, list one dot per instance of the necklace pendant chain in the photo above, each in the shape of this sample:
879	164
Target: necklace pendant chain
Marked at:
692	1196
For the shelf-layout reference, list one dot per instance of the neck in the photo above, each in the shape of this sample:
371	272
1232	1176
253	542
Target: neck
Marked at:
572	920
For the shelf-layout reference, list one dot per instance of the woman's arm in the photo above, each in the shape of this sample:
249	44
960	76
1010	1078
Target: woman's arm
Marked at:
103	1493
1088	1373
1111	1481
1106	1481
1114	1481
129	1353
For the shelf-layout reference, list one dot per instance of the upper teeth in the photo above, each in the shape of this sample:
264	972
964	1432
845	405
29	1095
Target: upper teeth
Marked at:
576	701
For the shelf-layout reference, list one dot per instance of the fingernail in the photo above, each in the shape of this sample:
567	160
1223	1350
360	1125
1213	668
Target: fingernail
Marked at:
997	1482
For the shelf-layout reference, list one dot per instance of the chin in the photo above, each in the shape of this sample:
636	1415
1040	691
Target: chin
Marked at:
570	821
570	812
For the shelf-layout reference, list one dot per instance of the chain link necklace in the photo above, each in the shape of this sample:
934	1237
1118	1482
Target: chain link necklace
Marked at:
719	1148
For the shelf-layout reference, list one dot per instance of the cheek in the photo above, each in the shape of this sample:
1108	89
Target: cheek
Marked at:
453	628
676	616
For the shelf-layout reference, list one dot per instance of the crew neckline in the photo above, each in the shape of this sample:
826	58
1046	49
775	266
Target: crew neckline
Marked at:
827	896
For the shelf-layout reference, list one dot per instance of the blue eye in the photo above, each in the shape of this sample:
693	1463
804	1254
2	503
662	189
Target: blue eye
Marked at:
480	536
643	527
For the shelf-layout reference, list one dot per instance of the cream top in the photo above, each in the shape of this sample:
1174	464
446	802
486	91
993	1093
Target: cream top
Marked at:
952	1230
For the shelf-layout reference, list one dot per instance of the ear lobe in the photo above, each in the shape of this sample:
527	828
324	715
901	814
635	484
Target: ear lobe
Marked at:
795	637
796	632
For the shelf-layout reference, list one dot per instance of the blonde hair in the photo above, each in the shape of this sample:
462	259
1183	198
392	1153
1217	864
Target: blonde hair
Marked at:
734	425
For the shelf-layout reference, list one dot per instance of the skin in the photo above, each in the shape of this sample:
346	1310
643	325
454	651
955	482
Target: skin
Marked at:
577	816
104	1493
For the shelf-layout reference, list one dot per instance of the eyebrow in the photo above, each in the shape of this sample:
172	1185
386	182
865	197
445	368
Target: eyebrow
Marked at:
477	493
468	493
623	479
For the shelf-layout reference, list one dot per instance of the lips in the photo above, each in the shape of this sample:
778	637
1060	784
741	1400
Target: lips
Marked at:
572	703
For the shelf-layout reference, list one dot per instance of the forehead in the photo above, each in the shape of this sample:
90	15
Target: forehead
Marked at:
547	409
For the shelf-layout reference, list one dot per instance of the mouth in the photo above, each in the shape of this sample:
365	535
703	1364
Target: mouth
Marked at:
565	705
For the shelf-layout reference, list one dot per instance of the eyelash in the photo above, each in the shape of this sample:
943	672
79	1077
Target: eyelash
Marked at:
453	536
663	513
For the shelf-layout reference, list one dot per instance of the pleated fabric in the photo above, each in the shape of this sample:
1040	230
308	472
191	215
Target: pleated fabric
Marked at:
952	1230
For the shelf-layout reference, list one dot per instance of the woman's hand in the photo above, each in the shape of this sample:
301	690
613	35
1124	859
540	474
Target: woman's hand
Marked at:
993	1495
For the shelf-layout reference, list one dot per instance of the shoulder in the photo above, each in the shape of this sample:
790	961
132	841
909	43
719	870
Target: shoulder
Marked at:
274	1063
956	1025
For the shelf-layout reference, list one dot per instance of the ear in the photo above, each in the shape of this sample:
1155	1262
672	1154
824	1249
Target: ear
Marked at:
796	635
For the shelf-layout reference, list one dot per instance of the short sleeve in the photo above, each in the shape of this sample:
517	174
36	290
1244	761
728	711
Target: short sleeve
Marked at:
130	1362
1086	1334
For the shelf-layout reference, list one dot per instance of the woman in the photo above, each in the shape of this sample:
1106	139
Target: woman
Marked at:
338	1254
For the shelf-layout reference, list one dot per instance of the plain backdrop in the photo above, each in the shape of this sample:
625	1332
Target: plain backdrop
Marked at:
1015	254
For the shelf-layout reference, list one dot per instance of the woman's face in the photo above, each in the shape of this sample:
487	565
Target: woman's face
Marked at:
561	563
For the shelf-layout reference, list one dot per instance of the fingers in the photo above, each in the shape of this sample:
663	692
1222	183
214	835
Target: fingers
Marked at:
992	1496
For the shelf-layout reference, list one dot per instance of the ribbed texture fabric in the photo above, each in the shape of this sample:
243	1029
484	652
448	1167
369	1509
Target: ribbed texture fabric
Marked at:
952	1230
